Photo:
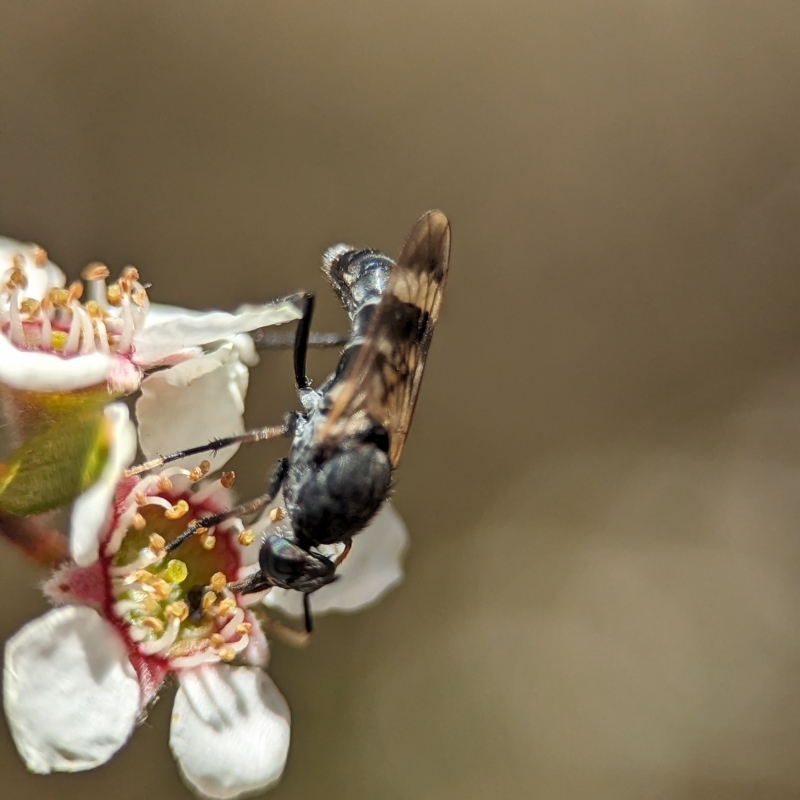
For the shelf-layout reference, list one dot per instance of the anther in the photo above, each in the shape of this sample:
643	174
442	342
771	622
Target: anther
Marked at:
157	544
139	522
227	654
209	542
114	294
216	641
226	607
58	297
178	510
176	571
177	610
218	581
139	296
199	471
227	479
164	484
246	538
29	307
244	628
95	272
130	273
277	514
39	255
153	623
209	598
161	589
17	277
75	291
140	498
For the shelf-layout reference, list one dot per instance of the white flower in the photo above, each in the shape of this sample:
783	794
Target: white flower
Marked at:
50	341
79	679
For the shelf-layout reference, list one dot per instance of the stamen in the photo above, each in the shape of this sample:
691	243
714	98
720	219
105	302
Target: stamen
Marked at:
246	538
178	510
74	292
209	598
39	255
236	620
74	337
16	330
114	295
176	571
209	542
139	522
226	607
177	610
161	589
227	654
164	484
157	544
216	641
199	471
227	479
244	629
277	514
153	623
218	581
164	642
95	271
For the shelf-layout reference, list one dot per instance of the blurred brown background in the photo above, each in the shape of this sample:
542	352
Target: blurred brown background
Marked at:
602	483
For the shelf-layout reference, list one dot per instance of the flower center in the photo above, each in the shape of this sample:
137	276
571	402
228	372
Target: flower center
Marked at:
177	609
59	322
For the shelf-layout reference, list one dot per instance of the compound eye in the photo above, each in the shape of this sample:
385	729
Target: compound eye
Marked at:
281	560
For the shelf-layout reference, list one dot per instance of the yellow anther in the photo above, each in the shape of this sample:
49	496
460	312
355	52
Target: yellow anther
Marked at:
125	286
93	309
39	255
151	605
176	571
58	297
58	339
75	291
226	607
216	641
246	538
209	542
139	296
17	278
139	522
164	484
200	531
157	543
177	511
199	471
244	628
153	623
142	576
218	581
277	514
209	598
30	307
95	272
227	654
114	294
130	273
227	479
177	610
161	589
140	498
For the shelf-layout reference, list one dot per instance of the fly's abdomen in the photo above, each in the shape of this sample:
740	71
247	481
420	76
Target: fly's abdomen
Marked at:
360	277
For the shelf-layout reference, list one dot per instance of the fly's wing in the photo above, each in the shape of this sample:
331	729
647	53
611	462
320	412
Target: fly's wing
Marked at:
384	377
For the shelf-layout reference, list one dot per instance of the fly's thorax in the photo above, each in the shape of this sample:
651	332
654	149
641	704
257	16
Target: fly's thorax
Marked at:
332	491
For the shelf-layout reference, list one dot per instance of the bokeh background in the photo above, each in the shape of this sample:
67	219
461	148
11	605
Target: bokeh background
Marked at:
603	480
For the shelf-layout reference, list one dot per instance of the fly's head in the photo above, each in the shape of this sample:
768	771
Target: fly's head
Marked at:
288	566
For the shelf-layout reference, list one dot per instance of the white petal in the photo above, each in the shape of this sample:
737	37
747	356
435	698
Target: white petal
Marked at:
71	695
92	509
158	341
373	567
230	730
191	404
40	279
44	372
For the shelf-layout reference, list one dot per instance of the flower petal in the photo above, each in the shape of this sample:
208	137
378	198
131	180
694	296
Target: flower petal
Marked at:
230	730
92	509
192	403
373	567
45	372
70	693
162	339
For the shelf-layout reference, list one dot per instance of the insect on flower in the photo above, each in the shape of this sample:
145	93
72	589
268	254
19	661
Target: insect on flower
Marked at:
348	439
